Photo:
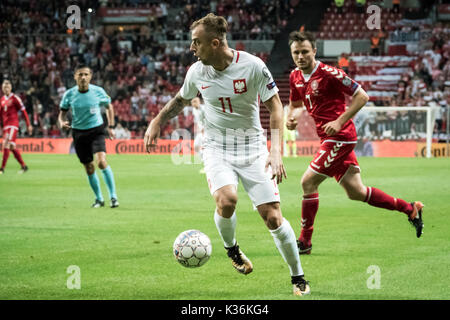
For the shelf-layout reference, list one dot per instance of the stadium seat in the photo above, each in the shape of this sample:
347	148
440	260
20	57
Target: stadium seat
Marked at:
325	28
361	35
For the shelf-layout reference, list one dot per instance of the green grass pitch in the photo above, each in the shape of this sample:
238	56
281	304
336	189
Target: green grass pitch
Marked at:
47	225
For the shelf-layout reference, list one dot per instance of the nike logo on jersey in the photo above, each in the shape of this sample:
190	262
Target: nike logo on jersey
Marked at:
205	87
299	85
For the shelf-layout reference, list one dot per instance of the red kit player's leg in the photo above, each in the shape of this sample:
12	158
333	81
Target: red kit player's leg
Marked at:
5	158
356	190
8	134
378	198
310	206
18	157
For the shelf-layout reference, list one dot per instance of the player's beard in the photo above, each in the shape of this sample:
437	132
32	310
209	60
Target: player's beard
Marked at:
306	66
204	61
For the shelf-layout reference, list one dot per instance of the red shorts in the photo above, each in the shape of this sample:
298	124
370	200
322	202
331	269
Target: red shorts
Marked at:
10	134
334	158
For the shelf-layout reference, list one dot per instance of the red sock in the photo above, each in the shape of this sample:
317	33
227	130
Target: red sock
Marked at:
18	157
378	198
5	157
310	206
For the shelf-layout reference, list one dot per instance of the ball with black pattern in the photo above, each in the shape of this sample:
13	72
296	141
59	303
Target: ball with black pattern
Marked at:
192	248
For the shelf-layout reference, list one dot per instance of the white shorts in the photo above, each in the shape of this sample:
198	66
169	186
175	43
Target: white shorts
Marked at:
255	180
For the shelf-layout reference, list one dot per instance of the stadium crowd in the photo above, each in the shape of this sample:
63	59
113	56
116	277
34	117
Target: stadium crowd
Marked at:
140	73
427	81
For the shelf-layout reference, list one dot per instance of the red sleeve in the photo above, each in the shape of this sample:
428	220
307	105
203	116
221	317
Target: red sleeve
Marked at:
294	95
21	107
342	82
25	115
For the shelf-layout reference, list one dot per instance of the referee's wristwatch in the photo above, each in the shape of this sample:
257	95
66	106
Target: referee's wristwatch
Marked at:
111	127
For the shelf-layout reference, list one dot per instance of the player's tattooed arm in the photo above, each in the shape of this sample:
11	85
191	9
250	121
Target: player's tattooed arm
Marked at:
170	110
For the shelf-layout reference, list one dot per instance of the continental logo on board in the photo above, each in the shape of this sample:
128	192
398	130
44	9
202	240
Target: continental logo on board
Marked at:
437	150
127	147
31	145
39	147
137	146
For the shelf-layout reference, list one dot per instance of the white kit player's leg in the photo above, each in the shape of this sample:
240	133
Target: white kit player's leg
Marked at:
286	243
226	228
227	231
222	183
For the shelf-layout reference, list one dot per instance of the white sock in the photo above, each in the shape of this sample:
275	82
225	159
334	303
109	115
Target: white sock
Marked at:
286	243
226	228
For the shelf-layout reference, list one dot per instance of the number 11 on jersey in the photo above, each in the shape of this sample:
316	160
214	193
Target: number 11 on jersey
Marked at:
223	104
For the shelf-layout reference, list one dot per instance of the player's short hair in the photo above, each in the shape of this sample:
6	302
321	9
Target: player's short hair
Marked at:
6	80
302	36
215	25
83	66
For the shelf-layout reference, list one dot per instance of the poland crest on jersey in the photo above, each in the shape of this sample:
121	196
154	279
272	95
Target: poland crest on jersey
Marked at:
239	86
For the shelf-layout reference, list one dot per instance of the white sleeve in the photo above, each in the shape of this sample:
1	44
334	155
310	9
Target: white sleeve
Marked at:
265	85
189	91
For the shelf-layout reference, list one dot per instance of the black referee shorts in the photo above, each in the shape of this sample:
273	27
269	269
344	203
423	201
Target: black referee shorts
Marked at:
88	142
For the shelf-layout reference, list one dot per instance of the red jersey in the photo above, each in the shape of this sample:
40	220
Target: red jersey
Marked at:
323	94
9	111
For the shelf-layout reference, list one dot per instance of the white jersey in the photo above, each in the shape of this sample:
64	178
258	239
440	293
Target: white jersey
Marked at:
199	117
231	100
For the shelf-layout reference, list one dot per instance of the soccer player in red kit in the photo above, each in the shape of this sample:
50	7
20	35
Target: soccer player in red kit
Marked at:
10	105
321	89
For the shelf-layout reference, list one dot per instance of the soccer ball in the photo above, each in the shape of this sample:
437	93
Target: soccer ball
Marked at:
192	248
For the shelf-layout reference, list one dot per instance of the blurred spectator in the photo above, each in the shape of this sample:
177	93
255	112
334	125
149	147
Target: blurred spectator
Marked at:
343	62
396	6
121	133
375	44
135	102
360	6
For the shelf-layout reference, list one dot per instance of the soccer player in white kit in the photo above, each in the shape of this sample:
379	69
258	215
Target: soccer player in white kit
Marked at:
231	83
